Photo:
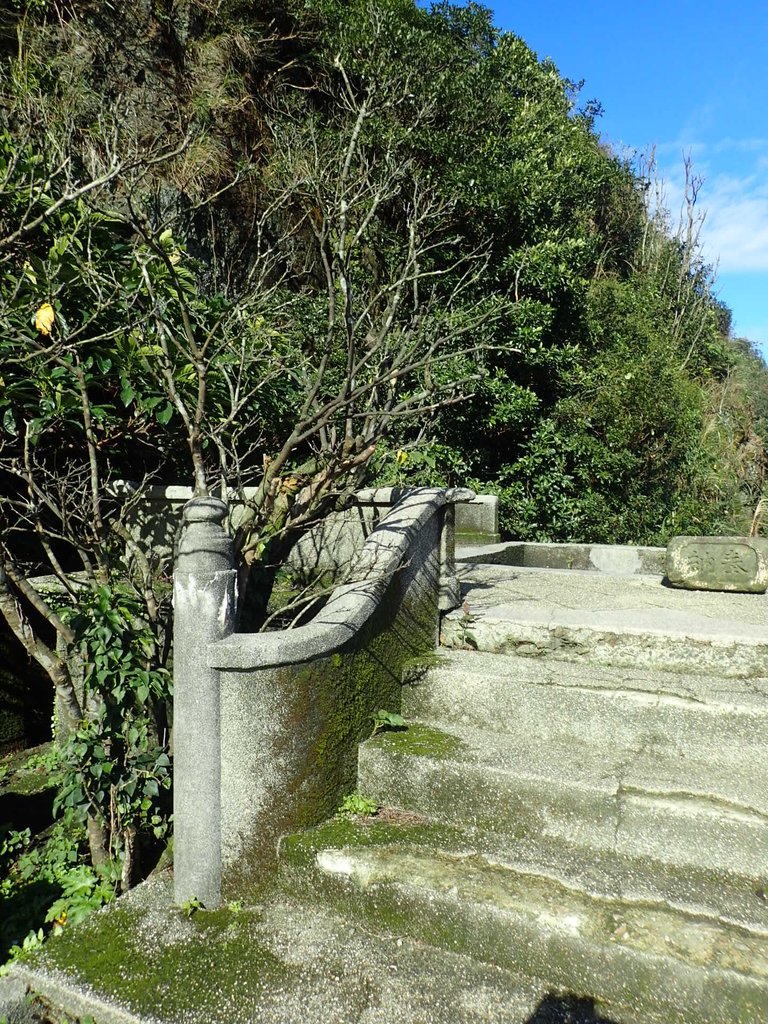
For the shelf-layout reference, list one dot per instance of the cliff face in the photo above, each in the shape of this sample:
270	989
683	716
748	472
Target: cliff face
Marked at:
142	80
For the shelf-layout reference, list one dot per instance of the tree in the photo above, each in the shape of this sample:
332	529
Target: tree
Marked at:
357	315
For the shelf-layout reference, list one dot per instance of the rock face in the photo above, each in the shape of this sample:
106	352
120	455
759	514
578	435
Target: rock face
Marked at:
719	563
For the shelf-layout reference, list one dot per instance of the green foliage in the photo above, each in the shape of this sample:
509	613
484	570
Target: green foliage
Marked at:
501	138
45	885
12	842
355	805
34	7
115	767
599	428
191	906
386	721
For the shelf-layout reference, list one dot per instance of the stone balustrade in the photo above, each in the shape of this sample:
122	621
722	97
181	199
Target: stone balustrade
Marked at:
266	725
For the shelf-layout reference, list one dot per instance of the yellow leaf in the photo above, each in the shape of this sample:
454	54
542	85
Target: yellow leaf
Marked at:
401	458
44	318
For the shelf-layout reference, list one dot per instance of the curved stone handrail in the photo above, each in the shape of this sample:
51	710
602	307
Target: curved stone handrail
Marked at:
351	604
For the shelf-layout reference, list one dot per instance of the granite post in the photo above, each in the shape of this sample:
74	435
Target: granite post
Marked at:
450	589
204	601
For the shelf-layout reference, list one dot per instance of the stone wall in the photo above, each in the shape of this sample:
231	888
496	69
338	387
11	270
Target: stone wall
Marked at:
154	519
611	559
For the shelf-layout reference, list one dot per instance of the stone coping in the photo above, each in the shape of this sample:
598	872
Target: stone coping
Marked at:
351	604
610	559
180	494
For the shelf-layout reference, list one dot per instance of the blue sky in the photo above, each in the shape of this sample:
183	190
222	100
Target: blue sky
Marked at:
685	77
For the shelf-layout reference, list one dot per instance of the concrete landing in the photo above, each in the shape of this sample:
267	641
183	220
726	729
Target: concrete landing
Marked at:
632	620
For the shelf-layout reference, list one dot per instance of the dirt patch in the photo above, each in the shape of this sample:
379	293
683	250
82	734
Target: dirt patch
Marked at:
394	816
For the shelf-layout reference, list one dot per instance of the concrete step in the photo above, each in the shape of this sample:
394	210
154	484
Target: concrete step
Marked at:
141	961
609	620
639	961
726	717
647	801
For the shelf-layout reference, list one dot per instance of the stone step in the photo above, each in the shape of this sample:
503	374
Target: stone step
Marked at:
141	961
726	717
641	962
644	801
572	615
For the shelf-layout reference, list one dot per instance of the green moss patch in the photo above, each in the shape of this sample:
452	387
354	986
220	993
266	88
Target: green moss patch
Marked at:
420	741
301	848
26	772
147	956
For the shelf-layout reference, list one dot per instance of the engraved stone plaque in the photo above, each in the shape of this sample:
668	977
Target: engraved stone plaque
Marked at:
719	563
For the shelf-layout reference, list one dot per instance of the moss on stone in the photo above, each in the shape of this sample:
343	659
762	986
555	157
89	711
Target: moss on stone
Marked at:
325	711
421	741
416	668
299	848
23	774
155	961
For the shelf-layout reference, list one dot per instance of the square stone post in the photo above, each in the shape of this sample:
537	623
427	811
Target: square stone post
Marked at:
450	587
204	607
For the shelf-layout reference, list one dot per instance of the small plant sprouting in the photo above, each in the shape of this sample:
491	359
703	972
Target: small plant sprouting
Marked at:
191	906
355	805
384	721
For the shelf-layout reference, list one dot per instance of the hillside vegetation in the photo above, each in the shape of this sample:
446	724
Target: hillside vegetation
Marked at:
293	152
302	246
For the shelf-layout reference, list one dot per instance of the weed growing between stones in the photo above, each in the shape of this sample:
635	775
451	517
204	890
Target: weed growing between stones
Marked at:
385	721
354	805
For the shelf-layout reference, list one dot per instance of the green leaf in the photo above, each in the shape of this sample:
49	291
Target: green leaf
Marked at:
387	720
163	416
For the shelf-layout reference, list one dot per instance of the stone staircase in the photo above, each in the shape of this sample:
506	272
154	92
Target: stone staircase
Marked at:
573	830
581	798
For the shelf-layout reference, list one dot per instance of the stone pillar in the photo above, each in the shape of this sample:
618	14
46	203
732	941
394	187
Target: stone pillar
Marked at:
204	603
450	589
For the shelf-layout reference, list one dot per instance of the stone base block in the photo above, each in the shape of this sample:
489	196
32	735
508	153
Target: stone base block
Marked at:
738	564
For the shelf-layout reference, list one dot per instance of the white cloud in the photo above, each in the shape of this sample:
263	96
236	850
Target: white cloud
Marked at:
756	145
735	232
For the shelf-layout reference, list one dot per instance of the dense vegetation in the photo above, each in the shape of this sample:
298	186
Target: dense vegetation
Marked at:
299	247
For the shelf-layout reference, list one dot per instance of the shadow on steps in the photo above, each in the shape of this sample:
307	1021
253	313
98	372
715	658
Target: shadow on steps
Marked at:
566	1010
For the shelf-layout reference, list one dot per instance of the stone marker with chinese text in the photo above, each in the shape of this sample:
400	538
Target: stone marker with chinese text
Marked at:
719	563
